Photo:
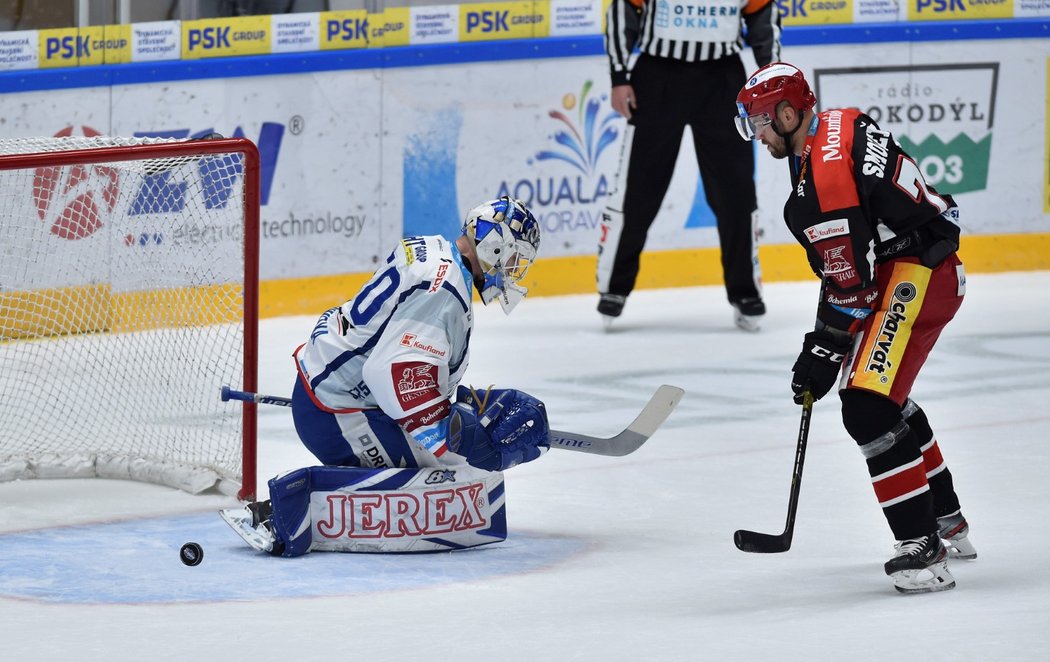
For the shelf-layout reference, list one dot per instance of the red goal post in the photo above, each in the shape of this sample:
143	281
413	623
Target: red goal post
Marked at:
128	297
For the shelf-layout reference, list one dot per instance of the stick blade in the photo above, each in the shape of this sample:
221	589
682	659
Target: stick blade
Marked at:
622	444
652	416
761	543
656	410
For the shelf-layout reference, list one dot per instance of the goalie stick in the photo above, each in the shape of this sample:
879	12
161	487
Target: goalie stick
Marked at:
768	543
626	442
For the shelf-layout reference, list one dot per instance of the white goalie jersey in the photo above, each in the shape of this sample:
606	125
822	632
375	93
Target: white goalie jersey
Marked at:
401	345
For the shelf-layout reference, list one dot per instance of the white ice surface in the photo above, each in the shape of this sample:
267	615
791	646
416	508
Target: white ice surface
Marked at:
608	558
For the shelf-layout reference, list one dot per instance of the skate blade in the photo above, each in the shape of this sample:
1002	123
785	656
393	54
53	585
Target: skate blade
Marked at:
607	322
749	323
927	580
962	550
240	521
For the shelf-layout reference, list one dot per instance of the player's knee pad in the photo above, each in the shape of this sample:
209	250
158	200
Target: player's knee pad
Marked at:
349	509
498	429
873	421
916	419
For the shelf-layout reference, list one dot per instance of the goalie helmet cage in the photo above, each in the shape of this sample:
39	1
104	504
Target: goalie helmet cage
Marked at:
128	296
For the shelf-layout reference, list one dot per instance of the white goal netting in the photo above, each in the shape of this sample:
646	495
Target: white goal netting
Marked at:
122	311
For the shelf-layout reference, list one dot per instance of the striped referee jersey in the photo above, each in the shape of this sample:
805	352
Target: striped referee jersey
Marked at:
689	31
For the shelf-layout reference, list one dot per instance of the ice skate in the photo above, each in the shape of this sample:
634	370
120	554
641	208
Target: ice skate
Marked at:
252	524
748	313
954	530
920	566
610	306
261	511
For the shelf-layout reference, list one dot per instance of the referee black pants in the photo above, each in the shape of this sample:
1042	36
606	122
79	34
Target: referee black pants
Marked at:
671	95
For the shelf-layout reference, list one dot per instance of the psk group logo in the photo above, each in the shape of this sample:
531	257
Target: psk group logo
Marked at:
940	10
816	12
941	114
74	200
570	197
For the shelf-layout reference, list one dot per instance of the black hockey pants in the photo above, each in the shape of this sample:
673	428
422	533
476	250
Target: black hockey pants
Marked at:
670	96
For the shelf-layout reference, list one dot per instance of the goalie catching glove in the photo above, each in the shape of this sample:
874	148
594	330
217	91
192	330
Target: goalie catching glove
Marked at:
819	363
496	429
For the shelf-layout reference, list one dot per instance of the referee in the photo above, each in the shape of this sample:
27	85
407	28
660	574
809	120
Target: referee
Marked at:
688	73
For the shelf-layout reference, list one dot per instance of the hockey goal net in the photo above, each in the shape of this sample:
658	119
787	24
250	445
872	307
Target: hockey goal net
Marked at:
128	297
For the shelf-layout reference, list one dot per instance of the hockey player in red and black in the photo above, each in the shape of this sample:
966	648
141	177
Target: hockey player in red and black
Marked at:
412	460
884	244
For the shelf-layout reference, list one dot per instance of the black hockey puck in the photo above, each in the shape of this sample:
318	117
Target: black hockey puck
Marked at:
191	554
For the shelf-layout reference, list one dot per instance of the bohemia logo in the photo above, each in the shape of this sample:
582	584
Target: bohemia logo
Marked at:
75	199
579	144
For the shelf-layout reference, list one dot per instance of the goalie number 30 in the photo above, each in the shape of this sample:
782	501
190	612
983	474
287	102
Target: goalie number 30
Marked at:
373	296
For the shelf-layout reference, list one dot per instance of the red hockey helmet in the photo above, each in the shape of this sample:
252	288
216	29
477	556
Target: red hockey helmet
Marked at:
762	93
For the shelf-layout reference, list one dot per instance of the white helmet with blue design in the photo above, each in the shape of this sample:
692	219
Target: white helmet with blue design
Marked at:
506	237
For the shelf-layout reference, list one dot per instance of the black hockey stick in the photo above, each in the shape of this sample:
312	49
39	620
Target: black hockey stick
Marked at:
628	441
767	543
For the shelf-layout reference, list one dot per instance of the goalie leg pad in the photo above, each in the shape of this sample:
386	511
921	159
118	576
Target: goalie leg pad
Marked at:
499	428
350	509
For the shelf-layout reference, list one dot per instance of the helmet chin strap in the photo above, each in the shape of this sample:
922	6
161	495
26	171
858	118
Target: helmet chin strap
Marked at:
787	135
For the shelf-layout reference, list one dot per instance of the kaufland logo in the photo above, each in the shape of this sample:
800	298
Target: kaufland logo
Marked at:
409	340
827	229
565	202
76	201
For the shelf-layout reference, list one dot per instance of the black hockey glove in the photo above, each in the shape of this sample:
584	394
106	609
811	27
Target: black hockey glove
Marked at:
818	364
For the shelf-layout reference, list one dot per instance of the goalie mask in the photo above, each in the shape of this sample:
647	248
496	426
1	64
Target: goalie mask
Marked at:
506	237
757	102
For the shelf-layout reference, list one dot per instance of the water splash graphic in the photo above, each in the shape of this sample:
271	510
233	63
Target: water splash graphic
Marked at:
584	141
